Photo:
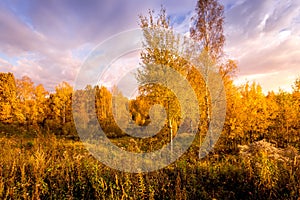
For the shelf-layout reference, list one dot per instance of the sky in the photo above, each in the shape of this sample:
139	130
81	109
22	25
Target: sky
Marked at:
49	40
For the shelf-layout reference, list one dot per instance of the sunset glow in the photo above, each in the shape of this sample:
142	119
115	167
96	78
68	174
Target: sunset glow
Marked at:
48	41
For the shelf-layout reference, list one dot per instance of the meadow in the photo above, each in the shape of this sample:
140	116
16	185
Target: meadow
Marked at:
47	167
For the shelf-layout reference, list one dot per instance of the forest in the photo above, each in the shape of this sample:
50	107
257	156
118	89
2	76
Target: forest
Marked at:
256	156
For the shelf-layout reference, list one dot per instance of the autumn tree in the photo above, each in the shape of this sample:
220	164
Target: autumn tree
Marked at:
25	95
207	27
25	89
161	51
287	118
9	106
60	104
164	49
41	104
103	102
112	111
296	99
254	112
272	132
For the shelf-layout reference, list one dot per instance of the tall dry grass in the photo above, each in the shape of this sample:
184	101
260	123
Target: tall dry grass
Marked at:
51	168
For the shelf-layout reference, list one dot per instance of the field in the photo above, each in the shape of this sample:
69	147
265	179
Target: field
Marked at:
46	167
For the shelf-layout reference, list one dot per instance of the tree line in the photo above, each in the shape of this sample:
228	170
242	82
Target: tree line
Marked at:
250	114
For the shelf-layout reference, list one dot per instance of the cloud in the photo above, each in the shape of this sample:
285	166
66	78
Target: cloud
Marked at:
5	66
270	81
182	23
282	16
179	7
15	36
264	36
50	39
49	70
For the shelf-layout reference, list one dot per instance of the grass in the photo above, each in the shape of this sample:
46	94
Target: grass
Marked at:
46	167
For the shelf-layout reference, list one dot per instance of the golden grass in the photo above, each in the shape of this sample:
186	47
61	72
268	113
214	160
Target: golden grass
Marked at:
51	168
